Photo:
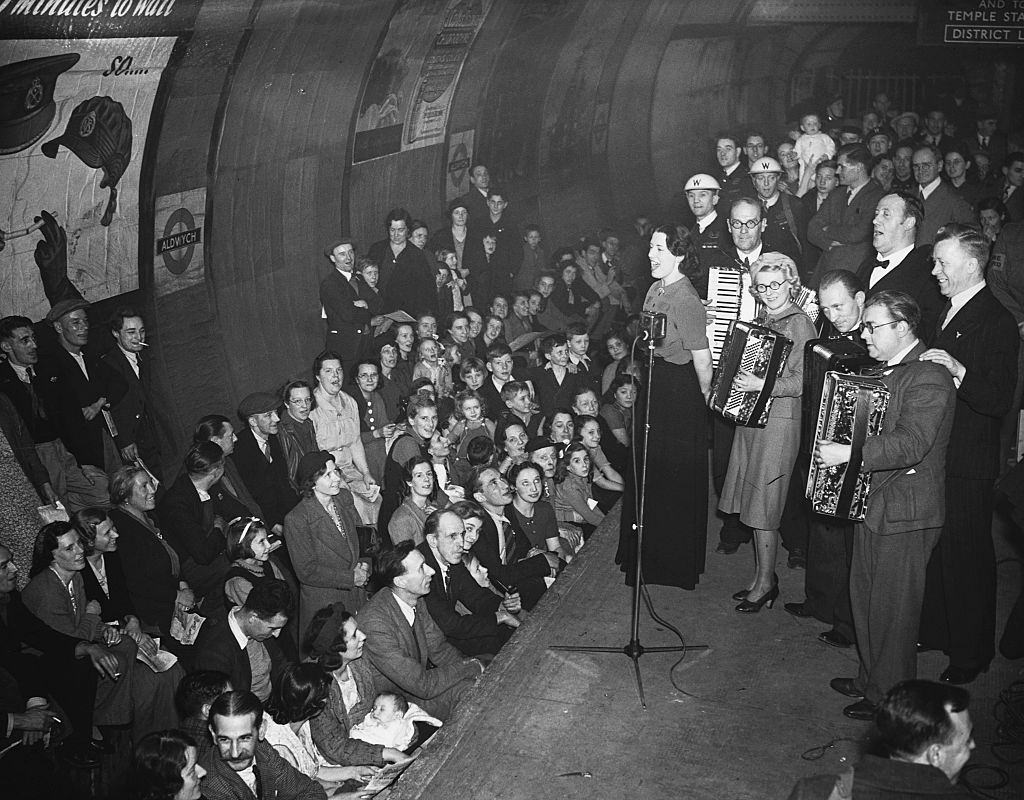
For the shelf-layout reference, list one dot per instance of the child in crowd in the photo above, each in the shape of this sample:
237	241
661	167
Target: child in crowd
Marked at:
369	273
473	371
617	409
812	145
534	258
472	422
617	347
391	723
426	327
248	548
607	482
573	498
430	366
518	400
518	323
451	281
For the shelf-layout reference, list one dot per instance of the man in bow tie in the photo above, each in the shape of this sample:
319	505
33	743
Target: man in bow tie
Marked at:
897	265
976	342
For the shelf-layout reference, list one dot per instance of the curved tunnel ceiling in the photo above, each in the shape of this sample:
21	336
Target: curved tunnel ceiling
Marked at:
587	111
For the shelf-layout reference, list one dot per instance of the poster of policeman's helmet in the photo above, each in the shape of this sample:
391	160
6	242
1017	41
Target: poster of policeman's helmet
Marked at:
78	84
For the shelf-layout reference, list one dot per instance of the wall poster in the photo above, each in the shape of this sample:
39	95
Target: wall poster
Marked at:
75	116
409	90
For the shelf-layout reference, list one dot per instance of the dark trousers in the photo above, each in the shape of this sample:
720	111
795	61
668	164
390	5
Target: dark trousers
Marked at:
71	682
887	579
795	524
733	531
959	614
827	580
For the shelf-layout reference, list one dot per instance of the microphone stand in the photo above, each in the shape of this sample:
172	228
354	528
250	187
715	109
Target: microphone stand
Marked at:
653	328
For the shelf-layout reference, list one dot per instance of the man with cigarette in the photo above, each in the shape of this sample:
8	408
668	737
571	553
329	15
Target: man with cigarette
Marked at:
136	438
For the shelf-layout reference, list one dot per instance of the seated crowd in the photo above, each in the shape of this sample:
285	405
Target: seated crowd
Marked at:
357	546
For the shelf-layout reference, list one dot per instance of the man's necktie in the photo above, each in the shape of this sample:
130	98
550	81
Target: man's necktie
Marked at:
881	265
259	781
984	142
30	374
444	579
508	535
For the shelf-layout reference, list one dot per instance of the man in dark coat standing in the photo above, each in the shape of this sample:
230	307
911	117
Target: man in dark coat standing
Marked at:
977	342
347	314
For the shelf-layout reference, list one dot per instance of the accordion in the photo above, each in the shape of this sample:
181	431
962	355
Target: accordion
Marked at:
822	356
852	408
729	299
755	349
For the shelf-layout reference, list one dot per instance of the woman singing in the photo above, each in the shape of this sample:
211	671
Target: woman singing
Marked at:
762	459
676	474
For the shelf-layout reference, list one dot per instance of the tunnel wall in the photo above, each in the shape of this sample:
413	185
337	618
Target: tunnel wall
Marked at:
586	111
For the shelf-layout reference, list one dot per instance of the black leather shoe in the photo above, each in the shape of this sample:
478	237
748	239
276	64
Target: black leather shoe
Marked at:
798	610
834	638
726	548
961	675
77	756
863	710
846	686
797	559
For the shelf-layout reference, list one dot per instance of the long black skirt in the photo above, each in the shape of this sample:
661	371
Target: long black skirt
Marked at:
676	505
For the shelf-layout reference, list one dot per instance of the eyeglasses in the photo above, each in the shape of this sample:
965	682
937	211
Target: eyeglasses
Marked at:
749	225
762	288
871	327
926	165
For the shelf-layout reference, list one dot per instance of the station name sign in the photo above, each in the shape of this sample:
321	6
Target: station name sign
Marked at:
972	22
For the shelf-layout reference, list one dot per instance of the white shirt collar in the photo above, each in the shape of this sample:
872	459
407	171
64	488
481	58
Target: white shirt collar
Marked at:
236	629
772	200
902	354
895	258
853	192
20	371
732	169
703	223
752	256
441	563
408	611
927	190
960	299
346	274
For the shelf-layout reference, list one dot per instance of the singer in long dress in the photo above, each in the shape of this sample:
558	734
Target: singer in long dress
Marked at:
676	507
762	459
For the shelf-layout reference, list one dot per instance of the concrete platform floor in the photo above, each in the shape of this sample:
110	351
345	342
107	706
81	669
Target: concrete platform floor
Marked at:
730	722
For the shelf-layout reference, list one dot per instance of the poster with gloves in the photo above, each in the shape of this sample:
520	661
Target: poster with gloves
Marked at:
74	116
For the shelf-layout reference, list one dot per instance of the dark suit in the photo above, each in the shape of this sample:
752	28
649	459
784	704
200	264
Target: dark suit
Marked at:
549	393
346	323
960	600
267	480
133	413
400	653
913	276
709	244
278	779
904	515
1014	203
786	232
849	224
188	524
942	206
475	633
216	648
475	202
83	438
526	574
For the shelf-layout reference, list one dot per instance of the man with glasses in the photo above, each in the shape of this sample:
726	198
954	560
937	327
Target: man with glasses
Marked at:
942	204
906	507
897	264
842	227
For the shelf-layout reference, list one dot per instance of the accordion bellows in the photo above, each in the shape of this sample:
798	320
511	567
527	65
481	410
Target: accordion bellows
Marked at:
755	349
852	408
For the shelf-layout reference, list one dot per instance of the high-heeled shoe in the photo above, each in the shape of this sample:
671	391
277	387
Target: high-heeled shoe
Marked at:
753	606
742	593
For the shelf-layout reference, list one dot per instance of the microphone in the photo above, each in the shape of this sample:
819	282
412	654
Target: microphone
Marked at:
653	326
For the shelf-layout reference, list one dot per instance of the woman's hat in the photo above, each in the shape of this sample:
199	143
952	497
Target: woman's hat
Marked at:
311	464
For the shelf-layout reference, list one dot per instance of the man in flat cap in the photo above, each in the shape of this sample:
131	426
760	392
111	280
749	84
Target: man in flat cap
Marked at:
84	423
260	458
347	314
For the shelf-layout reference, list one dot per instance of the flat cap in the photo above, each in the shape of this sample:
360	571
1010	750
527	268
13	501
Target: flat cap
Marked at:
257	403
329	249
63	307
